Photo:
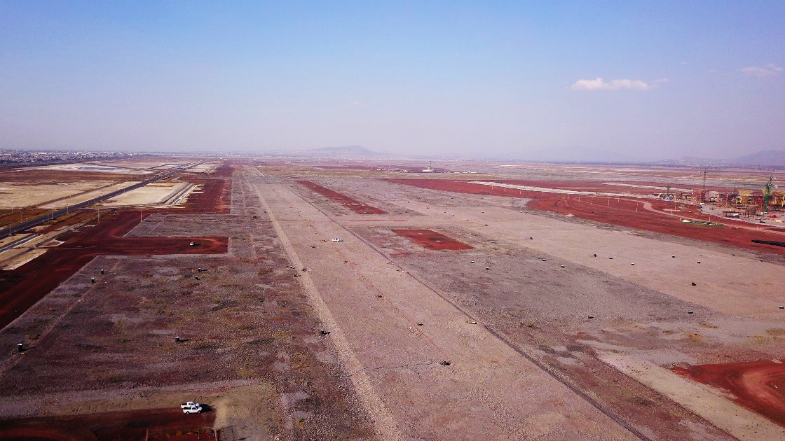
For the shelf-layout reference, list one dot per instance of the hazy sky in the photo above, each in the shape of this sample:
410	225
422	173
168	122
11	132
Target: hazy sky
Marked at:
650	79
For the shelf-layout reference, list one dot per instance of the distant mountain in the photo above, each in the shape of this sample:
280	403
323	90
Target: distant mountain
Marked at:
768	158
689	161
343	152
764	159
578	155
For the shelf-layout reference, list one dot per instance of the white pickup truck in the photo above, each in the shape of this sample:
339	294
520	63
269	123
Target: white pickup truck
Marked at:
191	407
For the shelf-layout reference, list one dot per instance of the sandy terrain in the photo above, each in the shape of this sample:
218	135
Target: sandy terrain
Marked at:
93	168
64	202
151	194
250	345
438	314
15	195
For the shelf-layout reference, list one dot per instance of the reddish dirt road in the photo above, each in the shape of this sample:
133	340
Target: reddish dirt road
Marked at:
350	203
432	240
169	424
758	386
23	287
626	212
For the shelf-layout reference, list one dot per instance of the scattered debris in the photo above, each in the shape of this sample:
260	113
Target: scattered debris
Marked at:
313	246
473	322
337	239
689	312
102	271
610	258
323	332
487	267
591	317
633	264
699	261
419	323
694	284
562	266
20	347
92	280
445	363
378	296
782	307
595	255
673	257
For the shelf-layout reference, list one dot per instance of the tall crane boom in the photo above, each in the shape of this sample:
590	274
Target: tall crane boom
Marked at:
767	196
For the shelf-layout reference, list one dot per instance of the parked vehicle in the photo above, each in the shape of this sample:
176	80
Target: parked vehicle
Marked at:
191	407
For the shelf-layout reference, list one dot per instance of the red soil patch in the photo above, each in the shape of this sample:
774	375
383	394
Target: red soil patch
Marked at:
432	240
215	195
23	287
168	424
352	204
758	386
626	212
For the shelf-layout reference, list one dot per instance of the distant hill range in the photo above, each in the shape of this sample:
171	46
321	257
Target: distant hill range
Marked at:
578	155
764	159
575	155
343	152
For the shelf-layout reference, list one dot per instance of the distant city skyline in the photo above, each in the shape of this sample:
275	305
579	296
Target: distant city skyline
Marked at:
641	80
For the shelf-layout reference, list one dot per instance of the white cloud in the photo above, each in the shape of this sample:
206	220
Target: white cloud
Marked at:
600	84
768	71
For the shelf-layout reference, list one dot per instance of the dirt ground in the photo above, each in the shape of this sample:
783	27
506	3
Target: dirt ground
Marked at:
15	194
548	296
441	314
249	343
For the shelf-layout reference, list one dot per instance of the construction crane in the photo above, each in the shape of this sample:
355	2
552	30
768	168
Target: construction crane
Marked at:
766	196
703	192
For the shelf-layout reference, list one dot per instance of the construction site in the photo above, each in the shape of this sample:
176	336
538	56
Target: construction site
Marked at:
313	299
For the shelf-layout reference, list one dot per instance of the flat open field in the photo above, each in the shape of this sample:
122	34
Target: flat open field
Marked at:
516	302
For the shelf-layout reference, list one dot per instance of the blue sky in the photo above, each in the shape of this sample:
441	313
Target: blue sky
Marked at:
646	80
